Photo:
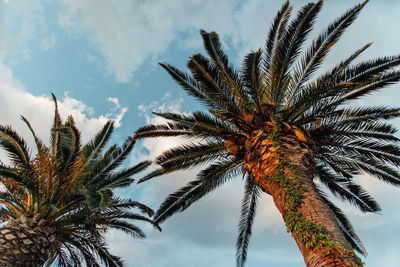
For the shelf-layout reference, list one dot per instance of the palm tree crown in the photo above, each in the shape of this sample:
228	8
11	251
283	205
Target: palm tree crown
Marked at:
276	108
61	202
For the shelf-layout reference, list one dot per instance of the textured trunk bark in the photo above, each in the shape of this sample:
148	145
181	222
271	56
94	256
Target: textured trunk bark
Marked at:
26	241
261	161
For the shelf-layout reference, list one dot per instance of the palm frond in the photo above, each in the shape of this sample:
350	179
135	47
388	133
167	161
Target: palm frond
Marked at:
252	79
249	207
276	31
56	124
348	191
201	124
41	148
16	148
117	179
288	49
229	74
92	149
346	227
163	130
188	156
314	56
207	74
207	180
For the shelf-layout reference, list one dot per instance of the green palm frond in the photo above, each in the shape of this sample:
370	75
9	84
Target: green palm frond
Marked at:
188	156
127	203
201	124
118	179
207	74
16	148
288	48
276	32
41	148
92	149
249	208
252	79
17	177
345	226
314	56
164	130
207	180
346	190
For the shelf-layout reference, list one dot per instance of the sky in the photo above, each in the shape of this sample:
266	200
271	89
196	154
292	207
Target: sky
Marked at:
100	58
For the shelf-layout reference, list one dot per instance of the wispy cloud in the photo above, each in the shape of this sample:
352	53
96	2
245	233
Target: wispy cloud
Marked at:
130	33
48	42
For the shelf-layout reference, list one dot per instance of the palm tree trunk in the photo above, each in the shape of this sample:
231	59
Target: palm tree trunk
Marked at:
25	241
262	160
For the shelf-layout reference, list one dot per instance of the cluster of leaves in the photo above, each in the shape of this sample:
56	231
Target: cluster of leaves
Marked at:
71	187
314	236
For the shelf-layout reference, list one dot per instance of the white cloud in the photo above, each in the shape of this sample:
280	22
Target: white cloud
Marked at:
48	42
39	110
130	33
17	20
115	101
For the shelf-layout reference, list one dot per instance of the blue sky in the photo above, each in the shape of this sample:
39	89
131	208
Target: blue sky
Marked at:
100	59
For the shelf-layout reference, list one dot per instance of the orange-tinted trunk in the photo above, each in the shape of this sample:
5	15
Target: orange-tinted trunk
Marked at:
261	161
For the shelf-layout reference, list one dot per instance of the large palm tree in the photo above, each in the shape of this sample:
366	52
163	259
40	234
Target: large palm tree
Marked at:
291	132
56	206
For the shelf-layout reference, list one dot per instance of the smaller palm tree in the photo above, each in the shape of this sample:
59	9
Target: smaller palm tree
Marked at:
57	206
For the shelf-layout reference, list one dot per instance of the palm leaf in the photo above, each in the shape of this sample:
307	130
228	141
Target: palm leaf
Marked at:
207	180
249	207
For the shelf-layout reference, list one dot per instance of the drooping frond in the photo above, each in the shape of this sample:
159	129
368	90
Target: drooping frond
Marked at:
186	157
249	207
119	217
130	204
207	180
347	190
16	148
8	175
345	226
68	147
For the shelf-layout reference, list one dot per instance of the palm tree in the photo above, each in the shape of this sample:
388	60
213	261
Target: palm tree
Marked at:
291	132
57	206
